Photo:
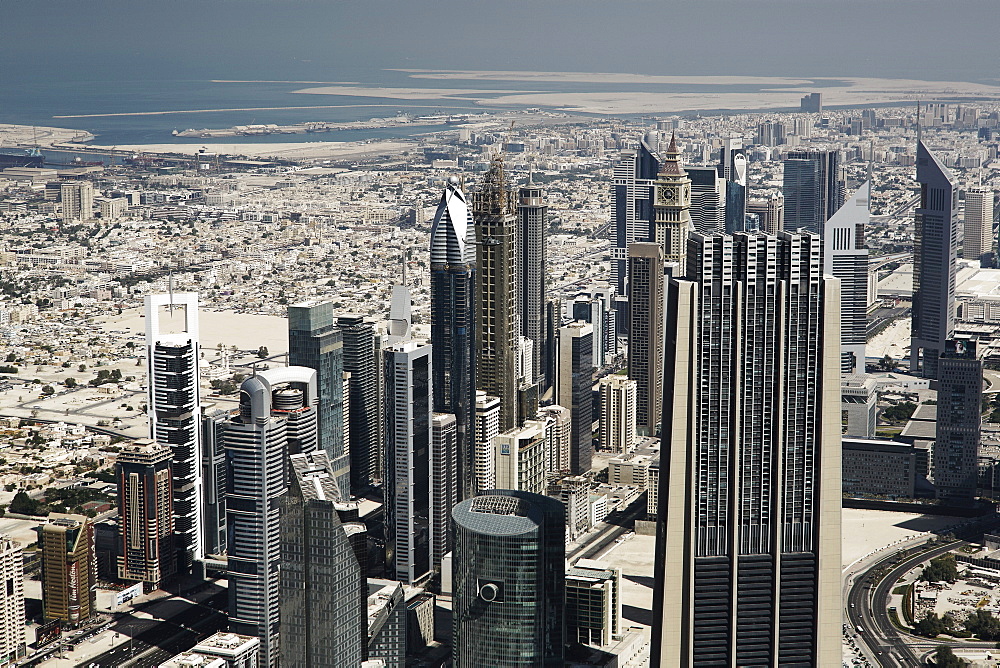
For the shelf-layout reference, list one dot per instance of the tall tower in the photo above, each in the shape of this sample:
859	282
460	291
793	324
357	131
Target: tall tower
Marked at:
617	429
747	567
496	306
492	533
845	257
978	223
322	614
733	168
672	205
574	385
12	636
453	311
935	248
960	419
69	573
487	423
444	483
77	200
408	441
175	411
708	199
813	189
315	342
276	417
631	207
532	223
645	349
364	412
145	502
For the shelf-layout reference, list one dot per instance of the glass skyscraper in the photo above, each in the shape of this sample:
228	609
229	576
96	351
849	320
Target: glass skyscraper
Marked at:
812	188
363	403
509	581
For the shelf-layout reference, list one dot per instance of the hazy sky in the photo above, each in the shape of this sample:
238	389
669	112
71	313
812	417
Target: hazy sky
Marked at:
50	40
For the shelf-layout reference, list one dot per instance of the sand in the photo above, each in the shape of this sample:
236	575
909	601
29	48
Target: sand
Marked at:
27	135
318	150
411	93
865	531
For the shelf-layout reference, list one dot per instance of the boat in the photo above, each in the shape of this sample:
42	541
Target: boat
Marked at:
21	157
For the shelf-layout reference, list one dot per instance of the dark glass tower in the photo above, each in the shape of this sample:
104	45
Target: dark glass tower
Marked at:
574	389
363	403
322	612
631	207
509	581
959	421
453	283
935	249
314	342
532	221
812	188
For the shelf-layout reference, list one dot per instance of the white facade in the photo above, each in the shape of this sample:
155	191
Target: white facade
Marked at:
618	430
12	640
487	426
845	257
978	222
519	458
77	200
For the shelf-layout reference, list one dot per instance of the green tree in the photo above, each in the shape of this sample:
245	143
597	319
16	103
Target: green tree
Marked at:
81	368
931	625
901	412
25	505
47	390
984	625
945	658
942	569
262	352
70	382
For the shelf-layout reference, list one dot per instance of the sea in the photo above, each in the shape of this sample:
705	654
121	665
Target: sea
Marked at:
46	104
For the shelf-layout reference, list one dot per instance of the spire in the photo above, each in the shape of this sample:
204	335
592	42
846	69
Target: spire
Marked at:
919	139
671	163
672	148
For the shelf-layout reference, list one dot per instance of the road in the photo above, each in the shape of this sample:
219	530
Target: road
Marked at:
616	525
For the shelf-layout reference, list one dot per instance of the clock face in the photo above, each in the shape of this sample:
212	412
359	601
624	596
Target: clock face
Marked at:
665	195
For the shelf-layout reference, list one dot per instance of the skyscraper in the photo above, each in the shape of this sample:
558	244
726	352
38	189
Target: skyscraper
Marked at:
444	483
509	581
645	350
363	403
69	576
574	386
845	257
453	304
747	564
519	457
275	418
12	637
408	440
813	189
323	622
672	205
77	200
935	248
532	224
959	421
708	199
594	313
631	207
487	423
145	504
214	476
315	342
175	411
617	431
733	168
770	212
978	242
496	304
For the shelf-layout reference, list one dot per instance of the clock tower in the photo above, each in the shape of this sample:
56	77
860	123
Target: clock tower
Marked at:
672	206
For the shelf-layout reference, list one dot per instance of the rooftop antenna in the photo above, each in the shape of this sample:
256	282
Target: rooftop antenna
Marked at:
918	122
405	253
871	163
170	290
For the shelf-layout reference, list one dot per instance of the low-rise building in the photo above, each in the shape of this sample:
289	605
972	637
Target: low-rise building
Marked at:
878	468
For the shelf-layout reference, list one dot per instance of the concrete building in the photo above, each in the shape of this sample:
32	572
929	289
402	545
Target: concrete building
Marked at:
593	603
497	331
386	613
519	458
813	189
978	243
749	512
573	390
214	477
631	207
770	213
672	206
69	575
645	349
708	199
316	343
509	573
959	421
12	636
445	483
173	357
532	228
617	430
859	399
878	468
145	504
845	257
408	441
453	305
573	491
934	263
77	200
235	650
364	409
487	425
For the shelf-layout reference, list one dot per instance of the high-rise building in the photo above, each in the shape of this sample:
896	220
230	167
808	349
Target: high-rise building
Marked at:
237	651
811	103
631	207
509	574
559	432
978	242
574	387
386	623
173	354
617	430
145	505
487	425
276	417
672	205
408	441
322	615
315	342
845	257
770	212
959	421
363	403
445	483
748	530
593	312
453	306
69	576
708	199
519	457
532	224
214	477
593	603
813	189
859	404
645	349
12	637
77	199
935	249
496	305
733	168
